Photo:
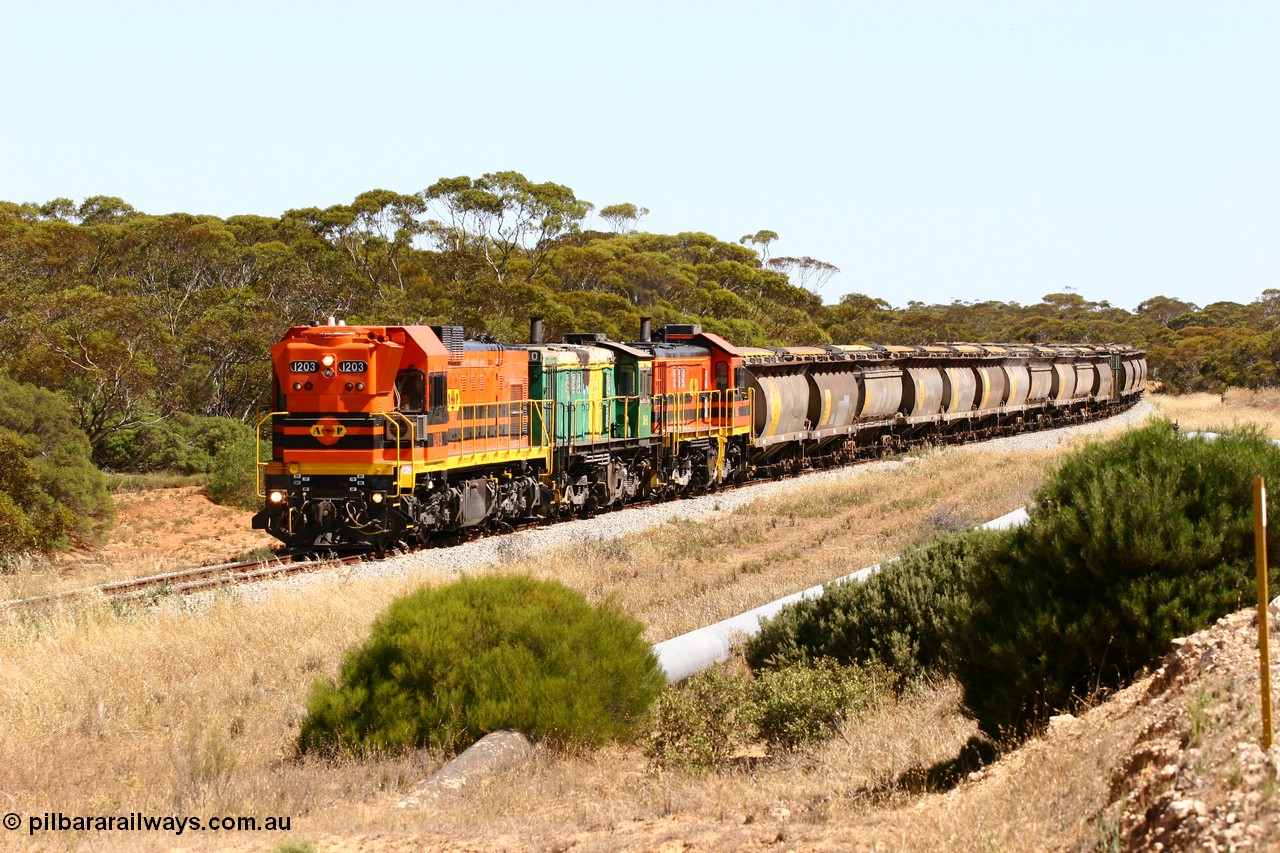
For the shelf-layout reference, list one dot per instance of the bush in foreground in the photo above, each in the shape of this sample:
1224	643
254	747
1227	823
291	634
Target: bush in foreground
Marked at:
1131	543
701	722
805	702
447	665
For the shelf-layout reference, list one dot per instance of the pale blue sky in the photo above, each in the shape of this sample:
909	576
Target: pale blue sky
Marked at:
1125	149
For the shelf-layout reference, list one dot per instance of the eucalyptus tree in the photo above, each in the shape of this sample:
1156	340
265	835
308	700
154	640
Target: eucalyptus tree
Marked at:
762	239
503	216
102	352
376	232
622	218
807	272
1163	309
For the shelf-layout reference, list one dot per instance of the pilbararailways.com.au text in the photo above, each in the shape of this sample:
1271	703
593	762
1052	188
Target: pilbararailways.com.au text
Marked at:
139	822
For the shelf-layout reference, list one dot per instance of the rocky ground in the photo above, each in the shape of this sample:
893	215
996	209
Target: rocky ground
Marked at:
1195	776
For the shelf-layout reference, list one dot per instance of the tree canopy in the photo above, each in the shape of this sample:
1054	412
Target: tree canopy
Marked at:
134	318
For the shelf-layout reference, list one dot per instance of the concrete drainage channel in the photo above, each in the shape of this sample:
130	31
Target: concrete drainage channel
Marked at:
679	657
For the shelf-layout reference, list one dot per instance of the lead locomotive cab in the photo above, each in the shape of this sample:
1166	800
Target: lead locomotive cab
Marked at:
392	434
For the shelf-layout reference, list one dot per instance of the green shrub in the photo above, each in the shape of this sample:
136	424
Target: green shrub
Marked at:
50	478
798	704
700	723
30	519
900	617
1131	543
233	474
446	665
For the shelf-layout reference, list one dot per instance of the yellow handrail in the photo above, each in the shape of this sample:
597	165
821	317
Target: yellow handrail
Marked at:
391	419
487	416
674	422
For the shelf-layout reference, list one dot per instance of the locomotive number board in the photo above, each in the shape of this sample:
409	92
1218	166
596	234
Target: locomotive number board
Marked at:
310	366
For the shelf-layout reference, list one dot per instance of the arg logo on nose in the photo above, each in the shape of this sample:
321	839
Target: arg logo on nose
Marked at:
327	430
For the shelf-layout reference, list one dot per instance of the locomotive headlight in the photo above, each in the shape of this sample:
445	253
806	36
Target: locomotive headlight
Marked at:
327	361
377	497
328	373
276	497
359	386
297	386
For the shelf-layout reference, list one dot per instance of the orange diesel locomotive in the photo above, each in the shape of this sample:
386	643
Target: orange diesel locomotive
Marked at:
391	434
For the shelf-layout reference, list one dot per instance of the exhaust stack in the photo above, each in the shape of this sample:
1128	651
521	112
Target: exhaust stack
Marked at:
646	329
535	330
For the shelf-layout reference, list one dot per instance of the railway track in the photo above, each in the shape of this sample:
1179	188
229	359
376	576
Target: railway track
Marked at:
186	581
225	575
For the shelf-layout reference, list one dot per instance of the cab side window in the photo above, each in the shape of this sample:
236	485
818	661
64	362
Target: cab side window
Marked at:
411	391
722	375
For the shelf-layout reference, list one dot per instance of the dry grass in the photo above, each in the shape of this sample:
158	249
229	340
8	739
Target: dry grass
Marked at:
614	787
175	710
684	574
195	710
1215	413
